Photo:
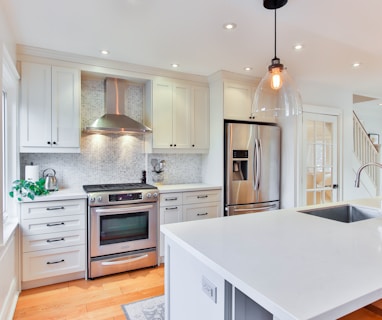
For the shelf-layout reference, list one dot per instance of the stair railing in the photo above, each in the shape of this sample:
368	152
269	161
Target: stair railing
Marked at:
365	150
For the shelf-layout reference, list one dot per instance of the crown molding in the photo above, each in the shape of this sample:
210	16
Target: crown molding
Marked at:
100	66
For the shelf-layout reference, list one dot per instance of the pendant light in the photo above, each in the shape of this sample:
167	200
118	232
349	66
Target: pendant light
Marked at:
276	95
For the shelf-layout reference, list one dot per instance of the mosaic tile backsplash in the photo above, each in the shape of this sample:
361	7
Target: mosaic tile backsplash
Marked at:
113	158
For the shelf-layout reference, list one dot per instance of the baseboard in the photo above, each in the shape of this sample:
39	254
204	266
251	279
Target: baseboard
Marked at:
10	302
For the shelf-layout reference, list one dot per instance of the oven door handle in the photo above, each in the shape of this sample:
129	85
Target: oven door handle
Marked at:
116	262
123	210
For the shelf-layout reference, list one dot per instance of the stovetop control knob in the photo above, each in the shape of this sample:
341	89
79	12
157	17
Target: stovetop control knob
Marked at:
155	194
92	199
148	195
99	198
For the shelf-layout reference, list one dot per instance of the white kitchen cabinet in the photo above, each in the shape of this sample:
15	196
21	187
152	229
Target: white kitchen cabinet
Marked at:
188	206
50	109
238	98
180	116
53	241
170	205
200	118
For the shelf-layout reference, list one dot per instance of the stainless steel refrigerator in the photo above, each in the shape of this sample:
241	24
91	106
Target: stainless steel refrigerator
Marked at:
252	167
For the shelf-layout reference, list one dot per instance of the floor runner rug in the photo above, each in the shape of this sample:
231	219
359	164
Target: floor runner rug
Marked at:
148	309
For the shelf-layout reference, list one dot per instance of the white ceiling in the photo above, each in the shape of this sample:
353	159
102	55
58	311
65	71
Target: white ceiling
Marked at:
335	33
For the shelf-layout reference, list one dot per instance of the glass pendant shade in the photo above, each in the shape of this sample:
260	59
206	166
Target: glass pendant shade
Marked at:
276	95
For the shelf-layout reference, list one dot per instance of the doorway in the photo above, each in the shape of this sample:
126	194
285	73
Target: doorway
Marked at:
320	163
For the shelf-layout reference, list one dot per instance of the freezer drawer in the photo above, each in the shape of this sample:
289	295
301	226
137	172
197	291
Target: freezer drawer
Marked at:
251	208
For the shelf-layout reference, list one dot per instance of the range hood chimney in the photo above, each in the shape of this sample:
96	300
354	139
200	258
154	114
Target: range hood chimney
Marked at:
114	121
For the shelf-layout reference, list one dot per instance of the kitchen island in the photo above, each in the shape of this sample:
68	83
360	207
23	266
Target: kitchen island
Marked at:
280	264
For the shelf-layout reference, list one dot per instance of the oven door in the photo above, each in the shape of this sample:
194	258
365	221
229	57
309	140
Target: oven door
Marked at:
122	228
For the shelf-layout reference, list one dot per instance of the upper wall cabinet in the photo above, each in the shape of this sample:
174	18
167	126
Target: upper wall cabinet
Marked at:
180	116
50	109
238	97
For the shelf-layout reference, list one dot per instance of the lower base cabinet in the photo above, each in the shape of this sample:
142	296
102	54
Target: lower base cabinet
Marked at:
188	206
192	283
53	241
54	262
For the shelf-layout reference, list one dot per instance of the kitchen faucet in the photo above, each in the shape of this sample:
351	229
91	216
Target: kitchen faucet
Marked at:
358	174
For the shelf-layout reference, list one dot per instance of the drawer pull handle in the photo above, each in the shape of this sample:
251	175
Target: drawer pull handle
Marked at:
171	208
55	208
55	262
55	240
202	214
116	261
55	224
171	199
202	197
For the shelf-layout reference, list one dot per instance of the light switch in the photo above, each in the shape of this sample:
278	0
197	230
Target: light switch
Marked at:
209	289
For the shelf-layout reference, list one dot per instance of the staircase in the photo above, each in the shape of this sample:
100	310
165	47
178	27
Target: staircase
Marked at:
365	151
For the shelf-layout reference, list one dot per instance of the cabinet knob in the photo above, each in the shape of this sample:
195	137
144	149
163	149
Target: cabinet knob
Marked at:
174	145
54	142
193	145
170	145
48	142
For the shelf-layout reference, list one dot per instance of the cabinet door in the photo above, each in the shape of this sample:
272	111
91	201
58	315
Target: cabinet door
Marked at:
181	116
162	115
65	107
238	101
170	214
200	125
35	107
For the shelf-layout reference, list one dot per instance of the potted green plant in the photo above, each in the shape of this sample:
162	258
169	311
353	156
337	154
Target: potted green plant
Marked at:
28	189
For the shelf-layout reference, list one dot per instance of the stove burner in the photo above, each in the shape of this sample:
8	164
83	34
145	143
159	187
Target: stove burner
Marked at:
116	187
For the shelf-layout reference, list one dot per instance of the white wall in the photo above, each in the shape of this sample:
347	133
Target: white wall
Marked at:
9	279
9	251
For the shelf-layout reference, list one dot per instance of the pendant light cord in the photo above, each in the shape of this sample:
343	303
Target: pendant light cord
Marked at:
275	36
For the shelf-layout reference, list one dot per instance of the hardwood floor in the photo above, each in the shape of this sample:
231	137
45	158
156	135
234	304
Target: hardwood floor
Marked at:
102	298
96	299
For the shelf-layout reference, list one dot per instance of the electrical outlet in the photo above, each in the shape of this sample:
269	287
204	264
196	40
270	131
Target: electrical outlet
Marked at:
209	289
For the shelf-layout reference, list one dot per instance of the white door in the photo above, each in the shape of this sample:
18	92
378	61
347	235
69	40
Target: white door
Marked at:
320	158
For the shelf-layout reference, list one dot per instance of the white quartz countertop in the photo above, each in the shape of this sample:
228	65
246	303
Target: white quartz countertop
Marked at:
61	194
295	265
167	188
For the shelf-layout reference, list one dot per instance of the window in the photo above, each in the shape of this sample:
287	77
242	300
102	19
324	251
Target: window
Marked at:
9	160
4	155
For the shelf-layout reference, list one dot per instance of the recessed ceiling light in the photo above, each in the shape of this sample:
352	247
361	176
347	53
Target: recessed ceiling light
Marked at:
356	65
229	26
298	47
105	52
247	68
174	65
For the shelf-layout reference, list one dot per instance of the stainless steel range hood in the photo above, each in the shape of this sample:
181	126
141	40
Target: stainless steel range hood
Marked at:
114	121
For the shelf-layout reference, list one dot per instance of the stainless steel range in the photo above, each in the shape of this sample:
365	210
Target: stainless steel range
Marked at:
122	227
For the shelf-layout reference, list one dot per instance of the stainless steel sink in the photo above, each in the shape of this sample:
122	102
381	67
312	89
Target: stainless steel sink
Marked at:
345	213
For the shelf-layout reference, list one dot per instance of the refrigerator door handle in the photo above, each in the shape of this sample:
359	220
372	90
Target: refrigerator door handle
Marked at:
264	208
257	164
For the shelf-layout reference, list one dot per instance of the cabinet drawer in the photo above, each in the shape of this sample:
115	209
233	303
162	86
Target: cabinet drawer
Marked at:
170	199
53	224
46	209
53	240
201	211
54	262
201	196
